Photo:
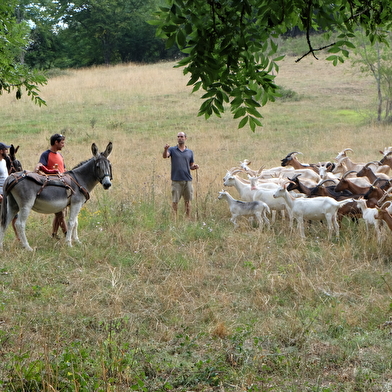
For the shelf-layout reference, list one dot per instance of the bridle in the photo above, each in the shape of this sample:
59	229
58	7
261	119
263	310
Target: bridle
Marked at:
105	173
11	165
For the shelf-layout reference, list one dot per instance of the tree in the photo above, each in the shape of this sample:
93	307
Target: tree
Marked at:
376	60
107	32
230	49
14	74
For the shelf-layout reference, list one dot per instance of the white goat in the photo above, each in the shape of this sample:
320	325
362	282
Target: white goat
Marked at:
243	186
369	216
315	208
267	196
239	208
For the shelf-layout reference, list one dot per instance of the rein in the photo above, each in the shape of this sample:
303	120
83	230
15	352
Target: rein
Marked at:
105	174
81	188
74	179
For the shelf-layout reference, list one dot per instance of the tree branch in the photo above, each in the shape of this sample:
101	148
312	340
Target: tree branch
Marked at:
314	50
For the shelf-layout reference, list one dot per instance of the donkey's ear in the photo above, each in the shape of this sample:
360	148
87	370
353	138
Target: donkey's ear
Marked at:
108	150
94	149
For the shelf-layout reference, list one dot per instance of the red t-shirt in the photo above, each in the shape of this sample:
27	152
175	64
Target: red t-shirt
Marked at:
50	158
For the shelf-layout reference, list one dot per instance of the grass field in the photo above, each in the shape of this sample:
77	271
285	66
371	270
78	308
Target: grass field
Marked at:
149	304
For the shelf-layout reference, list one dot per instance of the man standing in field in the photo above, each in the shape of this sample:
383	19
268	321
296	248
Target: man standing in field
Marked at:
53	160
181	164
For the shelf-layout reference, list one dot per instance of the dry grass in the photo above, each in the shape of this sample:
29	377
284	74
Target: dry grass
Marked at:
193	305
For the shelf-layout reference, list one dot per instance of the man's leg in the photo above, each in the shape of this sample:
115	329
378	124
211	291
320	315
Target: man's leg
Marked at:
14	227
59	221
188	208
63	223
175	207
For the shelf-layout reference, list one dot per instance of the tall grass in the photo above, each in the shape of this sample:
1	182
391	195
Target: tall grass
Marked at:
149	304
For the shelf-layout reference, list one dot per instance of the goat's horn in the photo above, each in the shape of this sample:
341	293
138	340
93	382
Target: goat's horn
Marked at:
347	173
348	149
384	204
324	181
376	181
237	171
294	153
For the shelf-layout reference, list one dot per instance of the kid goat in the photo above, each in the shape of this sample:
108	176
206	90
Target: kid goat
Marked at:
238	208
315	208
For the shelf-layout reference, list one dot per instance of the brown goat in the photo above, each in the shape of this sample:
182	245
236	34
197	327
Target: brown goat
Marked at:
383	214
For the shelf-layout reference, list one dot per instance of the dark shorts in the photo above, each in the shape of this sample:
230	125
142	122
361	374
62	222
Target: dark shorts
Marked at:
182	188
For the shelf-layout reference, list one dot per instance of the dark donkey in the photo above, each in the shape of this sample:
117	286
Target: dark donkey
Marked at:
28	191
13	164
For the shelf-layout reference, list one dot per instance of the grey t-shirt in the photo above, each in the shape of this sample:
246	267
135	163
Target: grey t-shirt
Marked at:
180	164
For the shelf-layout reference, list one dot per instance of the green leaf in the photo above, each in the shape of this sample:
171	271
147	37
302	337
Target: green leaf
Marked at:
240	112
180	39
253	112
243	122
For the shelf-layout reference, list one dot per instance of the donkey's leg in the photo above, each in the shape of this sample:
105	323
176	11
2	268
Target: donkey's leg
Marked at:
20	225
75	231
11	210
73	223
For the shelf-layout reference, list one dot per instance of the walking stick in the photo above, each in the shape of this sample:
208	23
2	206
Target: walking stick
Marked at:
197	186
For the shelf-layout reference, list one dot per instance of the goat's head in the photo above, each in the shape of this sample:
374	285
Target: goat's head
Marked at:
382	211
229	180
361	202
281	191
253	181
343	183
342	154
228	174
289	157
386	150
293	182
222	194
386	157
366	169
244	164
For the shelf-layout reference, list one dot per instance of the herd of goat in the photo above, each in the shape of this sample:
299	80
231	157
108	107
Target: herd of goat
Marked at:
325	191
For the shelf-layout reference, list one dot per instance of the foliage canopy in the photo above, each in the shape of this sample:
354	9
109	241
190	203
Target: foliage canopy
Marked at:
14	75
231	51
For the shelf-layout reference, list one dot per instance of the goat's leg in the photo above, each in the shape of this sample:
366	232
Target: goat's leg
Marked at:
266	220
234	220
273	216
259	220
335	224
377	227
300	225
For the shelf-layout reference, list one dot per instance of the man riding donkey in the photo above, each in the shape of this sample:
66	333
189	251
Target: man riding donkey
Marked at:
52	162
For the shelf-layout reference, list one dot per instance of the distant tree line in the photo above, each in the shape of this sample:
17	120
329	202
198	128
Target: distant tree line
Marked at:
83	33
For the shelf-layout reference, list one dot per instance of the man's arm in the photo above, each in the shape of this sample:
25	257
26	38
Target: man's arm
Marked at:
43	161
166	153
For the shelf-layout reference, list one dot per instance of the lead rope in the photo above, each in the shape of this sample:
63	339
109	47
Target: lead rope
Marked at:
82	189
197	186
